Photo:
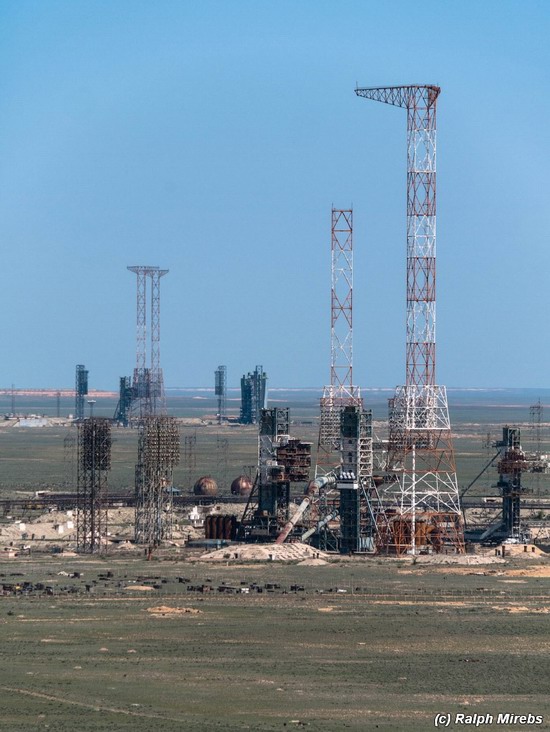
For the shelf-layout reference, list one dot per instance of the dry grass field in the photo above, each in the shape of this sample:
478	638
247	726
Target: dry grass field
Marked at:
398	643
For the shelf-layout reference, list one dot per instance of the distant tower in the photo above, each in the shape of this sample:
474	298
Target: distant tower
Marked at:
94	461
220	391
253	396
125	396
158	453
148	382
341	392
80	390
420	452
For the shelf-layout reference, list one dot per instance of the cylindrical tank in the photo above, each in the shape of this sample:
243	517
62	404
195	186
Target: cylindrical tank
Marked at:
241	486
206	486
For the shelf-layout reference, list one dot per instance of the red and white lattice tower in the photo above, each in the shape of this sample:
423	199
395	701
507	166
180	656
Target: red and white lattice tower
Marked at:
340	392
420	452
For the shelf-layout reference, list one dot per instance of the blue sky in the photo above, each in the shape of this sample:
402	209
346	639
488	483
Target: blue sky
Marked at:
212	139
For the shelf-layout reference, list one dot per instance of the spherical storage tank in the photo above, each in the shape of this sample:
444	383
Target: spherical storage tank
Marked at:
241	486
205	486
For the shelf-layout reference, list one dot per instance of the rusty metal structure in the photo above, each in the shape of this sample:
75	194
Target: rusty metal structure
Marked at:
158	454
80	391
282	460
148	398
424	491
341	391
93	465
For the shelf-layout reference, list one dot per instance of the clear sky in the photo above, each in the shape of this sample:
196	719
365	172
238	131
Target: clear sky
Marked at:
212	138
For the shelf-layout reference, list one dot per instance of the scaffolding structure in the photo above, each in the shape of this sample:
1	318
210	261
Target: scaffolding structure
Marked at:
424	491
148	397
158	453
341	391
282	460
93	464
124	405
80	391
253	396
220	390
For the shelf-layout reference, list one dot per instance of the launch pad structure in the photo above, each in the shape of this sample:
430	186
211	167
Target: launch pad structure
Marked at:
80	391
93	464
422	489
158	454
144	395
340	392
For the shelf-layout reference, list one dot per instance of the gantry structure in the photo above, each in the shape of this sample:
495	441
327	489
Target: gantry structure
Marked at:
220	390
253	396
158	454
426	504
93	464
80	391
148	396
341	391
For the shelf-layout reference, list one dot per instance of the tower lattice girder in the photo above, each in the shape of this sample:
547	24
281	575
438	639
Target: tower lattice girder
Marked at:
420	452
148	386
341	391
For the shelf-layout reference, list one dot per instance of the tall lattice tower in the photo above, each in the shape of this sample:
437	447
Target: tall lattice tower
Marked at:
158	453
148	382
93	464
420	452
340	392
220	390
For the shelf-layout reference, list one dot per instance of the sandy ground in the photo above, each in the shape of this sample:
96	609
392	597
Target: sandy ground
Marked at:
265	552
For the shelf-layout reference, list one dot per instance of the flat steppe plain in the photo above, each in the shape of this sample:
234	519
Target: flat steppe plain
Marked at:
402	643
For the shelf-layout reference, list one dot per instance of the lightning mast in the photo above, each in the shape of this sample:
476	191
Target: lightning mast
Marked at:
340	392
420	451
148	383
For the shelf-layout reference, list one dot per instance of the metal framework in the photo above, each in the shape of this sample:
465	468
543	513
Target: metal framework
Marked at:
124	406
80	391
93	464
220	390
536	415
158	453
340	392
148	382
282	460
420	451
253	396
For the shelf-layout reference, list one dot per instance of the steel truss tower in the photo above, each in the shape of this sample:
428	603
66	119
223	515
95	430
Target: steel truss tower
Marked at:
80	391
93	461
340	392
158	453
220	390
148	382
420	452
